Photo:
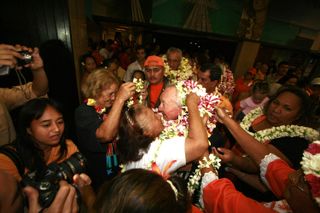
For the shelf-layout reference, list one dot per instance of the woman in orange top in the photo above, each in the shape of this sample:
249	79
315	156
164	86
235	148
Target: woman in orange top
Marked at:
41	141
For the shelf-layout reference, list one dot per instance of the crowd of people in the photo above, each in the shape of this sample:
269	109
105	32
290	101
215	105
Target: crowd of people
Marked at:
161	133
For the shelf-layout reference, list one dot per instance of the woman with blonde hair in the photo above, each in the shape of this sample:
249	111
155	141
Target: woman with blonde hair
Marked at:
97	122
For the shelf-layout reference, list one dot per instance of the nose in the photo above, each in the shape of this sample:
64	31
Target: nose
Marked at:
55	127
277	109
160	107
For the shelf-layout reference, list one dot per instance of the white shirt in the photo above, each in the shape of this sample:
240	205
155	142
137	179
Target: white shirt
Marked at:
170	149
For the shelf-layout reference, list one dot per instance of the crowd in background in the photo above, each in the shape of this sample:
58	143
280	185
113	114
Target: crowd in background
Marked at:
265	123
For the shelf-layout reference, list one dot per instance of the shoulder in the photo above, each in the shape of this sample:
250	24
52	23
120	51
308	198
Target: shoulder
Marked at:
71	146
84	111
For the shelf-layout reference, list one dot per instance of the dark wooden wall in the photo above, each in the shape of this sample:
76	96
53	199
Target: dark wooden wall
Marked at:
45	24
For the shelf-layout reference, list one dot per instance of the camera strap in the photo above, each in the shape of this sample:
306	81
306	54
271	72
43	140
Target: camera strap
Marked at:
10	151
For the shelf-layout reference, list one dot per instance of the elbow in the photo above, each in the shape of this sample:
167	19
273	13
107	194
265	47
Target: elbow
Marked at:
104	137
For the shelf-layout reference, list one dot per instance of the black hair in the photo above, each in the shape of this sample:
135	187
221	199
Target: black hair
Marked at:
215	70
305	114
260	86
32	156
143	191
131	137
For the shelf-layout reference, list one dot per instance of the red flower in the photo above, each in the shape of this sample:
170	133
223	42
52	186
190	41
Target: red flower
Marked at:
314	148
314	183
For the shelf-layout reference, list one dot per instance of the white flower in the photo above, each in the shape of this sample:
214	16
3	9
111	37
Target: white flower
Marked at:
277	132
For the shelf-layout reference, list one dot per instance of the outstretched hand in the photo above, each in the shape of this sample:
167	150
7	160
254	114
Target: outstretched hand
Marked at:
226	155
222	114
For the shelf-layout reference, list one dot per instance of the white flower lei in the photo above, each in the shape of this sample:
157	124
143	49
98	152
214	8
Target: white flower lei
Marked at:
184	71
194	179
277	131
139	83
311	168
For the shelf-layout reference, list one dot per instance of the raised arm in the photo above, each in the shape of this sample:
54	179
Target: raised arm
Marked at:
252	147
108	130
40	80
197	139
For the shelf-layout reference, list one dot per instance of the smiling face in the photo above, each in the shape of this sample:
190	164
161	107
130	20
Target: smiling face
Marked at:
284	109
205	80
107	96
149	122
169	104
48	129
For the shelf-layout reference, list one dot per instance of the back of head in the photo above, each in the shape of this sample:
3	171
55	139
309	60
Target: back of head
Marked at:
131	137
140	191
260	86
215	70
97	81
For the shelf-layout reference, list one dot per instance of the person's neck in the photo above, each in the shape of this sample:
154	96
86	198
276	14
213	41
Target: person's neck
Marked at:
157	84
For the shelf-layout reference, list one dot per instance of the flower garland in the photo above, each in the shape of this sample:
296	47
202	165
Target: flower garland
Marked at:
194	179
226	85
139	83
179	127
277	131
311	168
92	102
184	71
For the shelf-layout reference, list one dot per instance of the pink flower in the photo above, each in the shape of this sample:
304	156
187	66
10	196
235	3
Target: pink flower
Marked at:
313	148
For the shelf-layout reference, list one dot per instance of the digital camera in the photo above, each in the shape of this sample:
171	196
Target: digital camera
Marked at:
26	58
47	181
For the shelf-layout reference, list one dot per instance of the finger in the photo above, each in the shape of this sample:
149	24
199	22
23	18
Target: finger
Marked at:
32	195
7	47
85	178
75	206
71	200
215	152
60	198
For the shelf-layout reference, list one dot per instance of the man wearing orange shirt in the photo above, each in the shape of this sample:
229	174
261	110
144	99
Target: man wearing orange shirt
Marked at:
154	69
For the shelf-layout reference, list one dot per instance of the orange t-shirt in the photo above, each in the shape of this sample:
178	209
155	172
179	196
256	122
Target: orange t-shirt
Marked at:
8	166
155	91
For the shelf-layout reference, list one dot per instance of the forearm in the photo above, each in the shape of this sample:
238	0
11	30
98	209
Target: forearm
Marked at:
197	131
108	130
40	82
249	144
88	197
244	164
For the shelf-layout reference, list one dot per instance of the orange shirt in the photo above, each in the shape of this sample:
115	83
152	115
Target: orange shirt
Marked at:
221	196
8	166
155	91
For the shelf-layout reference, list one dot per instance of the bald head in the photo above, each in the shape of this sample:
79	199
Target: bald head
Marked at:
170	105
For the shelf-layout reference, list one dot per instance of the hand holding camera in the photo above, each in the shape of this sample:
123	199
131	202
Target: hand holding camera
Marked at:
18	57
47	182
